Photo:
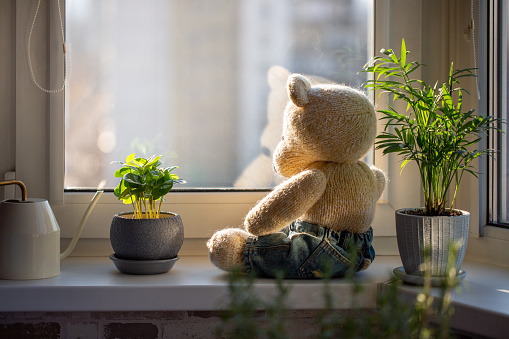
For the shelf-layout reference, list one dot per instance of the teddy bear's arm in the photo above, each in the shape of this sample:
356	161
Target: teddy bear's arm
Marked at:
380	180
286	202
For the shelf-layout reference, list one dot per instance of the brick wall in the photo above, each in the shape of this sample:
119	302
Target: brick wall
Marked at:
127	325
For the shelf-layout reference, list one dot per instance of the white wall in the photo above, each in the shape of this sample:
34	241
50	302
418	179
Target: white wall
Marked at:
7	87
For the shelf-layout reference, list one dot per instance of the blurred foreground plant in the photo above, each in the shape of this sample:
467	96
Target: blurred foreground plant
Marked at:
395	317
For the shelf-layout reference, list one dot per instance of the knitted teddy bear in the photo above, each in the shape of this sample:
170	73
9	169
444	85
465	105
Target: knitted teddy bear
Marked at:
259	172
308	224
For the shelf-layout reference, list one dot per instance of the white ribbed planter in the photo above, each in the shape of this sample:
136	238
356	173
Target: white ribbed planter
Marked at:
416	233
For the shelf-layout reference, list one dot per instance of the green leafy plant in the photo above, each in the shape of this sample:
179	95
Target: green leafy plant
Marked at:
144	184
251	314
434	131
243	316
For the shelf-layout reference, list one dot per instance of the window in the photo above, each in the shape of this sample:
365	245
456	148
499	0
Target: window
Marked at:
200	82
499	105
42	122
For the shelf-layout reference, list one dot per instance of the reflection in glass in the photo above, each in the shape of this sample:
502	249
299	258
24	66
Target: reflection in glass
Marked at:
200	82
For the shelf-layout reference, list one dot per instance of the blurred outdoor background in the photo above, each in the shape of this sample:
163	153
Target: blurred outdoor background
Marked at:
201	82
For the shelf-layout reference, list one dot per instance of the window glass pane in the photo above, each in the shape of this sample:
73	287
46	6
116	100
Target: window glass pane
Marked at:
201	82
499	105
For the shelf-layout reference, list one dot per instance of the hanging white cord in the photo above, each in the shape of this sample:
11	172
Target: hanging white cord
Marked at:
63	49
472	28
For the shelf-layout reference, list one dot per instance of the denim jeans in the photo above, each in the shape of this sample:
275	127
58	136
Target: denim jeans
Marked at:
307	251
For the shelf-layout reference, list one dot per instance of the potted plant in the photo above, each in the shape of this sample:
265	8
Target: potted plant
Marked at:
436	134
146	240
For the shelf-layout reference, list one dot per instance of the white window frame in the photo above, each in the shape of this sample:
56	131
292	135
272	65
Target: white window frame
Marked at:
40	156
496	245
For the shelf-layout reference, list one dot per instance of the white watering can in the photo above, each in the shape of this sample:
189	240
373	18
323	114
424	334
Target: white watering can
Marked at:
30	237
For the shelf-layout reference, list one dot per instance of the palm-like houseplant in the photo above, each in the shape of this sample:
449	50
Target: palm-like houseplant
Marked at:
437	135
147	235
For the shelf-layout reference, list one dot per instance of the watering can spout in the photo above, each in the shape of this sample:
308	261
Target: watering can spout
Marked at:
83	221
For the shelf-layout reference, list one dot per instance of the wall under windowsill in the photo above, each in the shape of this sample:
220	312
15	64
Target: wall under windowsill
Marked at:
92	284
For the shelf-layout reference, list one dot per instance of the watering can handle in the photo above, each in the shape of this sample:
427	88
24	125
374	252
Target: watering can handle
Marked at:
20	184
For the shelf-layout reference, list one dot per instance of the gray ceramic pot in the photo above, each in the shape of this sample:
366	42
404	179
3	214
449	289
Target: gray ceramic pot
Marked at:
416	233
146	239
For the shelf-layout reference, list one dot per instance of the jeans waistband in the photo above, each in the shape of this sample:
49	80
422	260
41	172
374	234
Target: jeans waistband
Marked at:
320	231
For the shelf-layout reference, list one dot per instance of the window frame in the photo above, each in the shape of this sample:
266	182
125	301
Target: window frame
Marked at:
496	103
40	158
487	242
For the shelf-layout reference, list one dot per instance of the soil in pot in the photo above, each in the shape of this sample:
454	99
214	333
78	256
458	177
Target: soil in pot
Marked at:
422	212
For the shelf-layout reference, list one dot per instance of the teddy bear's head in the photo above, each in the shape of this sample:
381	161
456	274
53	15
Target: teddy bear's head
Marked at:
323	123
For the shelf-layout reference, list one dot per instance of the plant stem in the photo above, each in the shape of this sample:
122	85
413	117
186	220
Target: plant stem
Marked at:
159	207
146	211
134	207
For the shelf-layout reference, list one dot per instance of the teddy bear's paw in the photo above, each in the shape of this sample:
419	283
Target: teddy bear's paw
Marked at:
381	180
226	248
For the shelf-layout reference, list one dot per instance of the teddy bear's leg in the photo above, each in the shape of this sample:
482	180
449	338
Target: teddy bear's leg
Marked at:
226	248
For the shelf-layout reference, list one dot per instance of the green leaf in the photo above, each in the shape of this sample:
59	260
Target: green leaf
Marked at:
118	189
403	53
129	158
140	162
417	65
162	190
154	175
392	148
133	179
171	168
403	165
394	58
153	161
451	75
128	200
121	172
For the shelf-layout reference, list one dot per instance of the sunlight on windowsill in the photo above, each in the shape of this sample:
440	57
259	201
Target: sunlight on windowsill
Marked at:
94	284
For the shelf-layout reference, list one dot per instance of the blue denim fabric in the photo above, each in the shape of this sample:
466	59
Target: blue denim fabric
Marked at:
306	251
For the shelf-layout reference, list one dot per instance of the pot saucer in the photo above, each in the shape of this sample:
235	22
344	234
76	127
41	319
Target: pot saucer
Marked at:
419	280
141	267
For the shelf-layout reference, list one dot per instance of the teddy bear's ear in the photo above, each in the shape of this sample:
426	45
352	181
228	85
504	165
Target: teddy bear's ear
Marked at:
298	86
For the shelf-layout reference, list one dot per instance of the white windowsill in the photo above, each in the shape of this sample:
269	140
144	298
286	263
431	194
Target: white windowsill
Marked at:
481	305
94	284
